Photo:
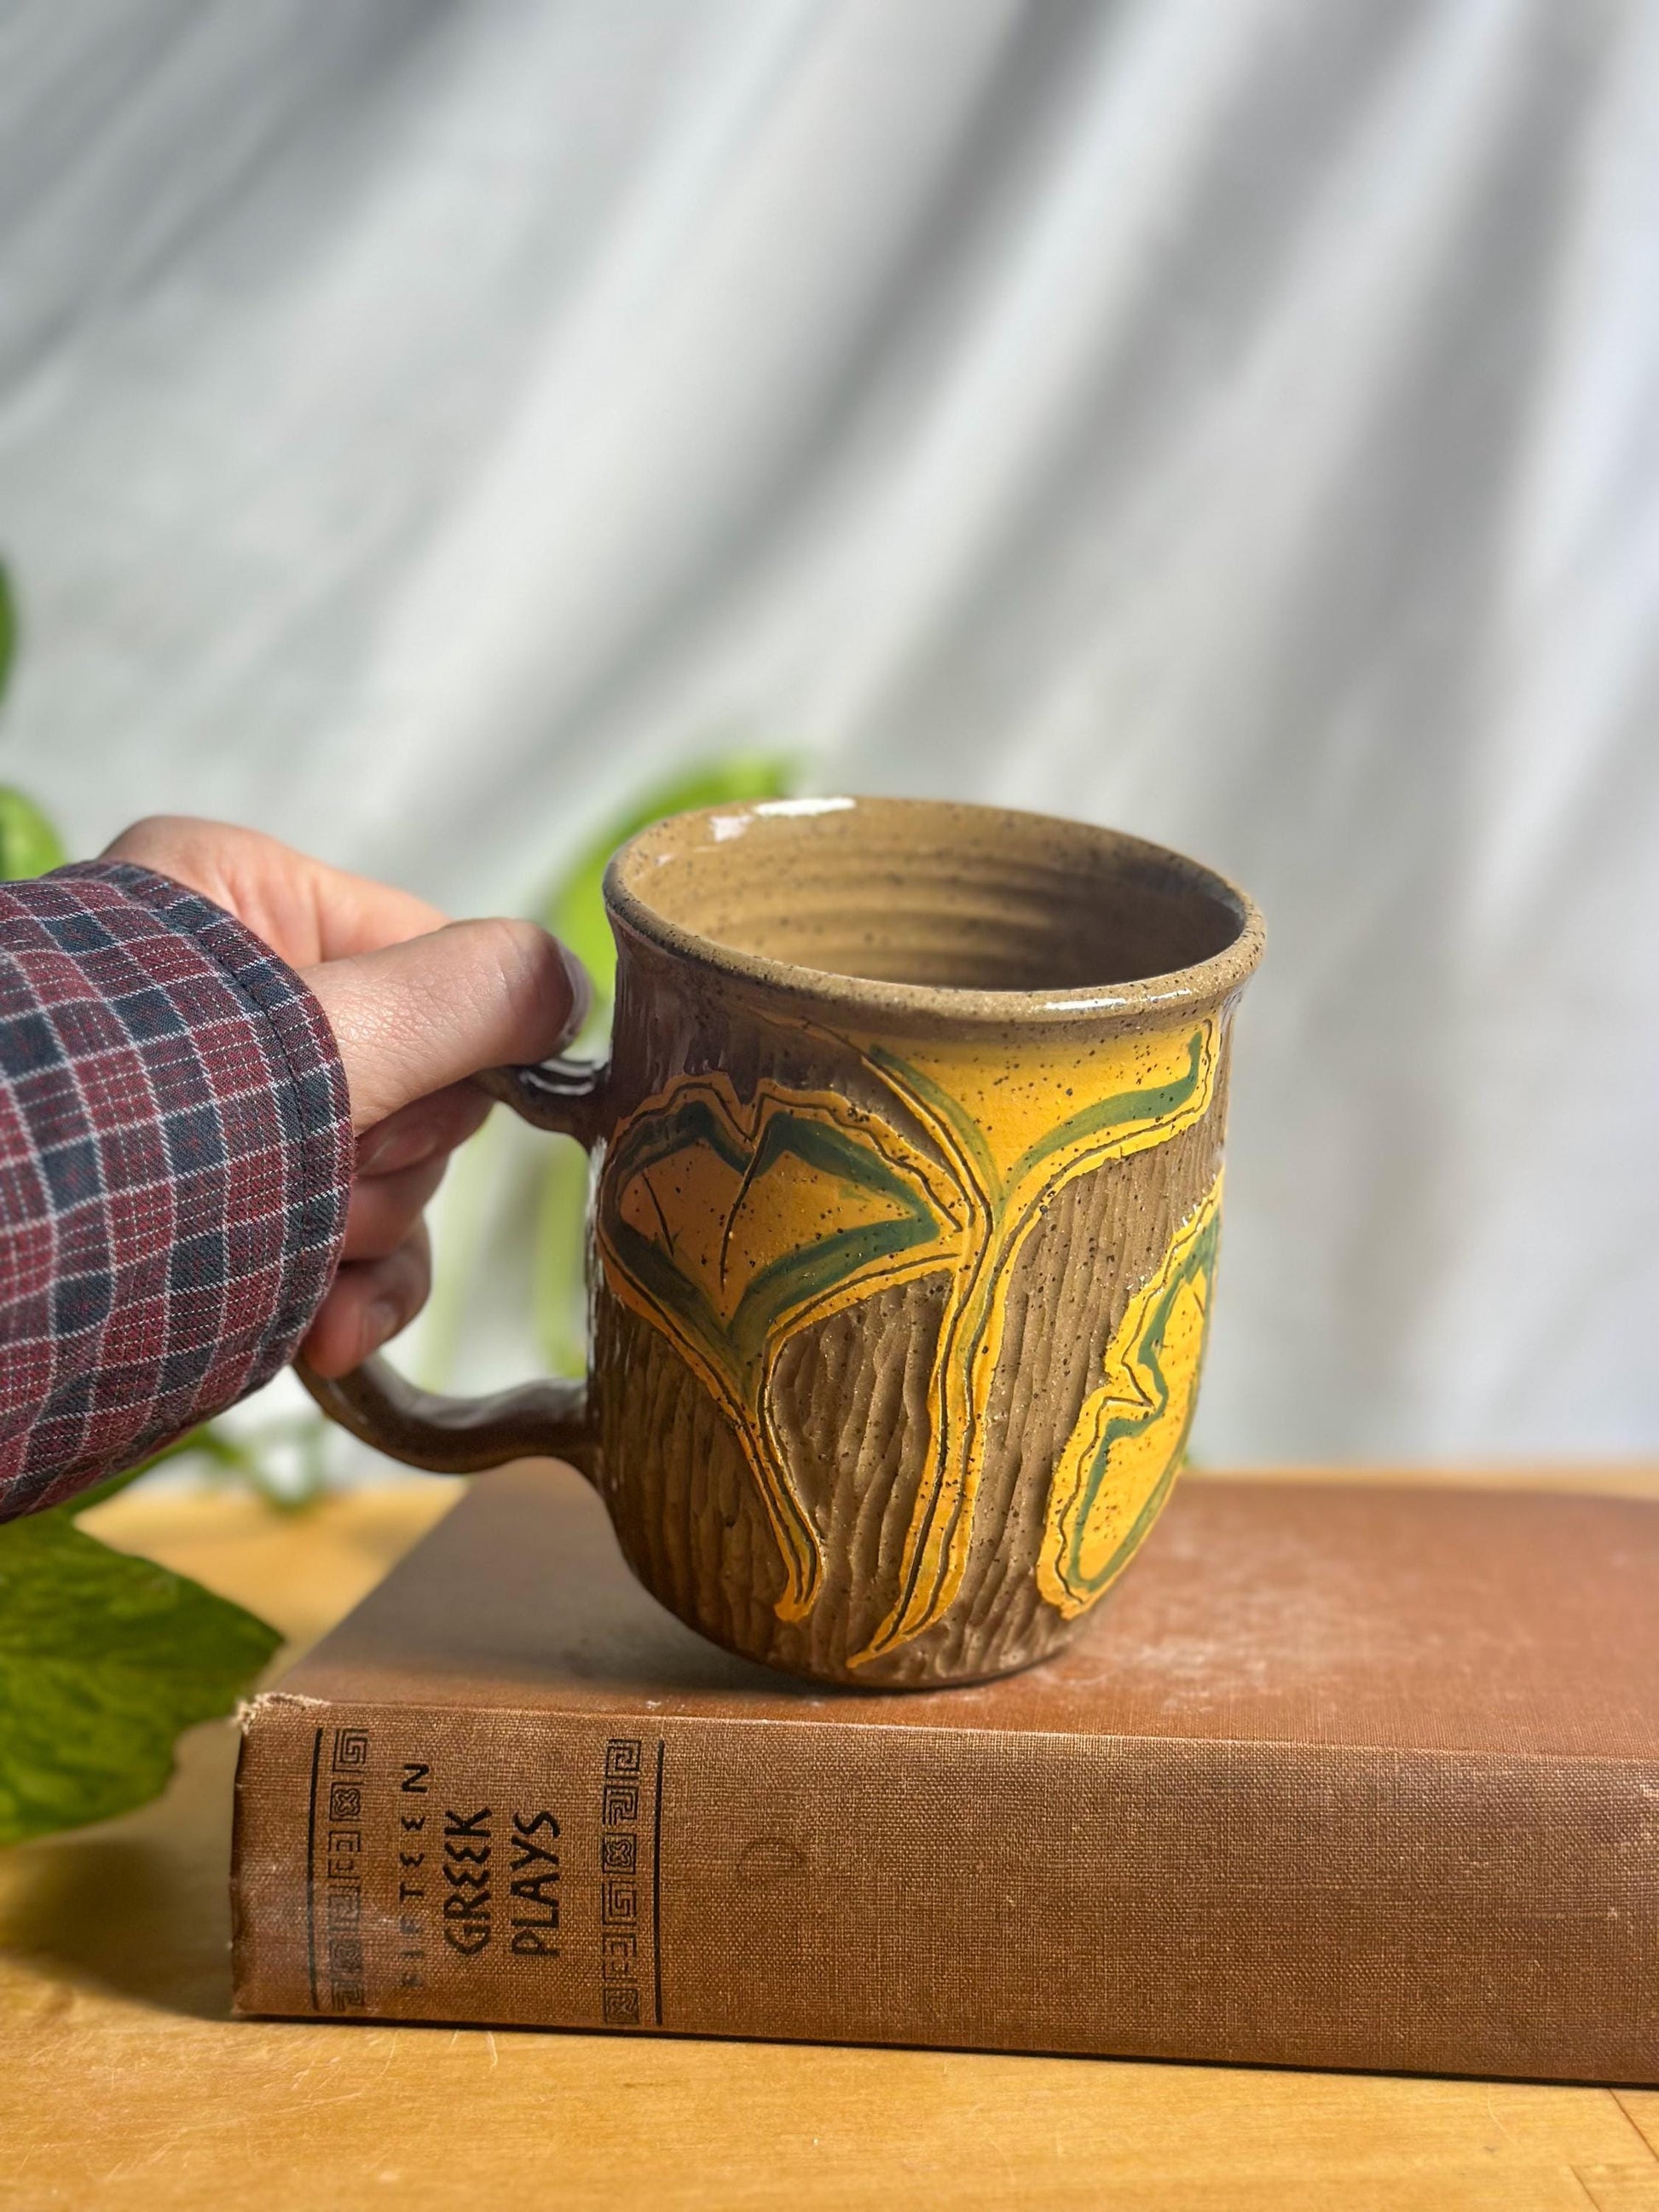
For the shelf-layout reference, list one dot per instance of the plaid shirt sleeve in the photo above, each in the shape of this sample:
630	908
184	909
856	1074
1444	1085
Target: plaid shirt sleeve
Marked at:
175	1162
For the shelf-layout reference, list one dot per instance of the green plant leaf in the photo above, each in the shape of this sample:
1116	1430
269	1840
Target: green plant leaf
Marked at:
28	843
7	628
575	910
104	1660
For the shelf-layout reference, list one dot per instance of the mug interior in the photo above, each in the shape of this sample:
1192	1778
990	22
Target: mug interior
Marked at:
929	894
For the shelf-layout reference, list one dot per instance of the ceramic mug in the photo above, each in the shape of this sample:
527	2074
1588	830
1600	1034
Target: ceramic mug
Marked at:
904	1227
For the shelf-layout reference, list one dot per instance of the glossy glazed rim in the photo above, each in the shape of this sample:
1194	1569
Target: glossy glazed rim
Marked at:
1205	982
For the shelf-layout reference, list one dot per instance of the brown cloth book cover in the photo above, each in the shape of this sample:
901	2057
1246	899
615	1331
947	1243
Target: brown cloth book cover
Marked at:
1338	1776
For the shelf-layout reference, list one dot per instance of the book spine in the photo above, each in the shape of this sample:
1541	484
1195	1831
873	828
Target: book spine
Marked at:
1288	1904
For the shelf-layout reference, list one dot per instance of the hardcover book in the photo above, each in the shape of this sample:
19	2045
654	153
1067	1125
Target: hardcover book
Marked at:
1339	1776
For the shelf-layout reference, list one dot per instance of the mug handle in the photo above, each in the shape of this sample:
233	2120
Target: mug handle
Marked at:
548	1420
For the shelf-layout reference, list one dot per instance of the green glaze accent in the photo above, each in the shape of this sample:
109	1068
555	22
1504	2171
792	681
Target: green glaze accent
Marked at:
1157	1104
802	1276
960	1137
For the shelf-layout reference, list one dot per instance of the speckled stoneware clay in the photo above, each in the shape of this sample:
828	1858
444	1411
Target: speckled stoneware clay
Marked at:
905	1227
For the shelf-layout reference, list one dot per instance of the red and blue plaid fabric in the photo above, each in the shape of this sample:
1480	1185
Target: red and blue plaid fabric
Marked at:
175	1162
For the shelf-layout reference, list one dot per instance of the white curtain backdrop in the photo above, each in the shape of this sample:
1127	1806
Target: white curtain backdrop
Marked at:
1237	420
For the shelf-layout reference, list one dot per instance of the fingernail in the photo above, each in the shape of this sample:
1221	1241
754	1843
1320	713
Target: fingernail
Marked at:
371	1149
381	1322
581	998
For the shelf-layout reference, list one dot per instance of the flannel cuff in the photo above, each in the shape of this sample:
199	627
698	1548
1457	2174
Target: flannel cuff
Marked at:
176	1159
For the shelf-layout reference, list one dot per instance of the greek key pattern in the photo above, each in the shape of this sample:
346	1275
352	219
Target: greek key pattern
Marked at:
337	1854
619	1883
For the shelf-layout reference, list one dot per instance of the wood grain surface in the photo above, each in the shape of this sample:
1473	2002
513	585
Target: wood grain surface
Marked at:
122	2082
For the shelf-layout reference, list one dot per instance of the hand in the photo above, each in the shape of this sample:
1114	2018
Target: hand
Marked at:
417	1005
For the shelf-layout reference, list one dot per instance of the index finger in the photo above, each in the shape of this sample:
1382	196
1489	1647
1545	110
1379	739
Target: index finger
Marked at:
355	914
305	910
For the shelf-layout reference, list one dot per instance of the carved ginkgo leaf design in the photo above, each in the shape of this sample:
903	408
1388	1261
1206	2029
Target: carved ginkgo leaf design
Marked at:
731	1225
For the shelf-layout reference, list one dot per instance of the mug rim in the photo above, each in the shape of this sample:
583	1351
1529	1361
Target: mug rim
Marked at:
1207	981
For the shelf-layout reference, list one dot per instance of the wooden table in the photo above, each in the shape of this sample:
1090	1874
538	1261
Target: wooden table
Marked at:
123	2081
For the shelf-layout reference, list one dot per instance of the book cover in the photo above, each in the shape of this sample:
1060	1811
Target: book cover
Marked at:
1340	1774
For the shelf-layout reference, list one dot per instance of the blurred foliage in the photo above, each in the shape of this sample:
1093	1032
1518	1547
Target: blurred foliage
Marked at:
574	912
105	1659
28	843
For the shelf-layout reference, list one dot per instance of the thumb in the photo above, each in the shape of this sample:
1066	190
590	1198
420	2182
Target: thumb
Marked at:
414	1018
